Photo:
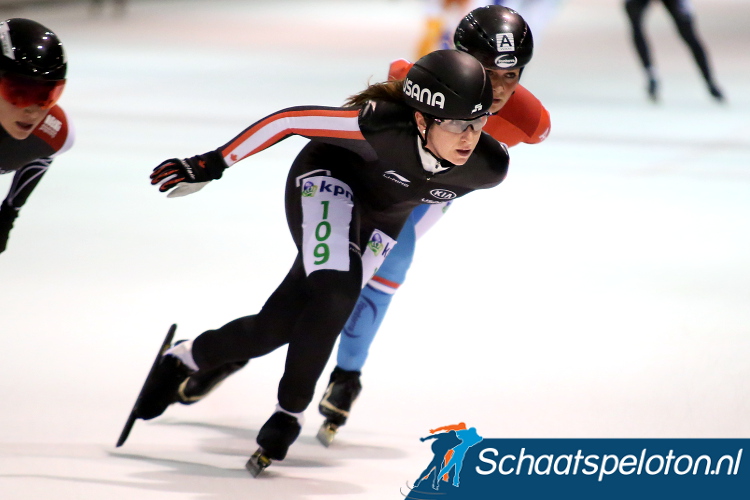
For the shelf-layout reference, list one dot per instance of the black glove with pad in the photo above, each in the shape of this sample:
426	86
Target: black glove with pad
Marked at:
189	175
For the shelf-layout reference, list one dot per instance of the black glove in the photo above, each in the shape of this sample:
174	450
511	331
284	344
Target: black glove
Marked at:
198	170
8	214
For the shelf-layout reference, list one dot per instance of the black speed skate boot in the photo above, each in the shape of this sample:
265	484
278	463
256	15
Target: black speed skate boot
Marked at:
343	389
161	388
198	385
274	439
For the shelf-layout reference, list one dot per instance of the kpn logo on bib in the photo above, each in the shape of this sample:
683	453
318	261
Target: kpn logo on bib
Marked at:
327	185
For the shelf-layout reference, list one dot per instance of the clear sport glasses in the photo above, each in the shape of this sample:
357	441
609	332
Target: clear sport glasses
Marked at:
460	126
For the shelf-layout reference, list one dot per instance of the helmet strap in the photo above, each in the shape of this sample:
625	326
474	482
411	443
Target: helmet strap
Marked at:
429	122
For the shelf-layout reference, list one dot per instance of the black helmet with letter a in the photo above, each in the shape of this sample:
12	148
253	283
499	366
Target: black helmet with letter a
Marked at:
497	36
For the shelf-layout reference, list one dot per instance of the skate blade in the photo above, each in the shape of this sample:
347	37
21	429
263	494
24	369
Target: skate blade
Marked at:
327	433
257	463
132	418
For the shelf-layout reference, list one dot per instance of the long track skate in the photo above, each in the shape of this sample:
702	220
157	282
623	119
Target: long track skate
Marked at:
132	418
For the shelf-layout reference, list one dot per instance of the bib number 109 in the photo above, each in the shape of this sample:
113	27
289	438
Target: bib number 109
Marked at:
321	251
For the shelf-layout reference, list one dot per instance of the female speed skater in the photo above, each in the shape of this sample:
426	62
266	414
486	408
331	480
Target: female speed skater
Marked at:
344	211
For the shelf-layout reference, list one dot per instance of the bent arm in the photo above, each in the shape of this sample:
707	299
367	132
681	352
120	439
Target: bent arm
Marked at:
24	182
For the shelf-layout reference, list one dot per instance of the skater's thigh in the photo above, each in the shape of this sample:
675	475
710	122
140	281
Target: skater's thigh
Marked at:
635	9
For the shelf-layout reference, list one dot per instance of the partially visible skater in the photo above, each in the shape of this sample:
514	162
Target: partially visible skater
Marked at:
502	41
682	13
34	129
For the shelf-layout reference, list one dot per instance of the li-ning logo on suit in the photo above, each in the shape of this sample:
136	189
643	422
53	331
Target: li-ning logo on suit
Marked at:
398	179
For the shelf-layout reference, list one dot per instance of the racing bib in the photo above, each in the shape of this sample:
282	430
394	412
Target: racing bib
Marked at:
326	216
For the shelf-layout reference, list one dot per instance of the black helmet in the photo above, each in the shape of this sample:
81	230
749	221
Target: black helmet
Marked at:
29	49
448	84
497	36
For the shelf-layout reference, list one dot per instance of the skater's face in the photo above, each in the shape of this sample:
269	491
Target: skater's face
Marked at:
20	122
24	102
447	143
504	82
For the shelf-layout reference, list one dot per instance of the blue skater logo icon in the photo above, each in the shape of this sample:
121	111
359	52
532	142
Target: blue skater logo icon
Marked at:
451	442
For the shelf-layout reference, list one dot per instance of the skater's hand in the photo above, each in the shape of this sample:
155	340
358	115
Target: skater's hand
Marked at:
189	175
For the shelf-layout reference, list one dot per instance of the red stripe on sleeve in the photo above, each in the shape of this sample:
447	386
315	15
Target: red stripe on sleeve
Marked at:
293	114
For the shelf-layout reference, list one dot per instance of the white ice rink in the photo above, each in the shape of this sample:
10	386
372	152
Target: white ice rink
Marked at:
603	290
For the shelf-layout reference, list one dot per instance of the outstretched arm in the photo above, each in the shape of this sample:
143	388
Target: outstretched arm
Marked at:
339	126
333	125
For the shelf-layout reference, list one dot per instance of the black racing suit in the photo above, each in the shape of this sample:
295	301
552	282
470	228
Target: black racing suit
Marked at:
376	168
